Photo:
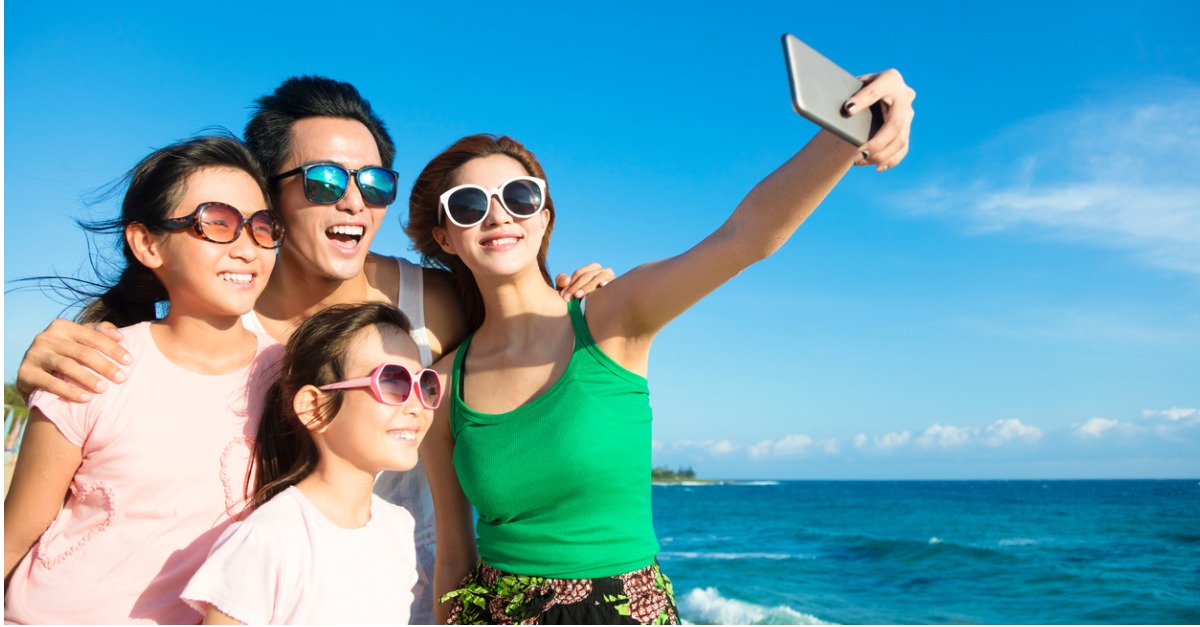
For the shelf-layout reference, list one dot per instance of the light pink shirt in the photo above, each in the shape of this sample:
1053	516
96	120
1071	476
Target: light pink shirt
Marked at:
164	465
289	564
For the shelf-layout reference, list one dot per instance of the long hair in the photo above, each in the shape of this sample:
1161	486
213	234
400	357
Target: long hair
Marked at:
284	451
269	131
156	185
423	212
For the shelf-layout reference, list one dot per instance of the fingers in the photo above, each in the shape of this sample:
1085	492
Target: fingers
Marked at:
66	358
889	146
584	281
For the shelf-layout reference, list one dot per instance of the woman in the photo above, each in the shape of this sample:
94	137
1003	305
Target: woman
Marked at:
547	428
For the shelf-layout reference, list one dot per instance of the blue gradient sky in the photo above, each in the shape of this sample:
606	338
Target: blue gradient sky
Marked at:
1021	298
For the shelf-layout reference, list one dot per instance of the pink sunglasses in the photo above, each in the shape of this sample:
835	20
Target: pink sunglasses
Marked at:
392	384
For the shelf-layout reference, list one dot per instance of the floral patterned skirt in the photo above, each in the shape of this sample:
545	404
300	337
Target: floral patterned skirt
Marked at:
492	597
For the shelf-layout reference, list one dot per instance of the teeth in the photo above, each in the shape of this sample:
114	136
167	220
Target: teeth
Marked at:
236	277
404	435
346	229
502	241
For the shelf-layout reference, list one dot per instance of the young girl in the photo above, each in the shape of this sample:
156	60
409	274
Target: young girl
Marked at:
547	428
153	469
352	400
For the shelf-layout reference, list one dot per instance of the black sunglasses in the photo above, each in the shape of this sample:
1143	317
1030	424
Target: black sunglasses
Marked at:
326	183
221	223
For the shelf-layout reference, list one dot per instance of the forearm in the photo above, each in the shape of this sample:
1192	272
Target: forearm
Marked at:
782	201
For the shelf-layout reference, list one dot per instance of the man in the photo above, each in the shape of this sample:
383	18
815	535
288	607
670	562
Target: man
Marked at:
331	213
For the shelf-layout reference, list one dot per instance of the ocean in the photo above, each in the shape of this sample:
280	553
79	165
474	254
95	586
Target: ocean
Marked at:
991	552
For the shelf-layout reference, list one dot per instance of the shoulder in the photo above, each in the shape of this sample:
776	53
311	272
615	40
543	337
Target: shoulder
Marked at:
383	275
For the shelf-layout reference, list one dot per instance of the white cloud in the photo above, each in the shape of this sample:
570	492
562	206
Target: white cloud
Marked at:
712	447
1093	427
883	442
947	436
1174	414
1120	174
1004	431
791	445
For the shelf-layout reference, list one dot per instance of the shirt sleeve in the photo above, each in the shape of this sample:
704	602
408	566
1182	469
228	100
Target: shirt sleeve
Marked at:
74	420
241	576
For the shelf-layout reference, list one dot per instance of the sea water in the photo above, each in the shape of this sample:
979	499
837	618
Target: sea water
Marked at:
796	552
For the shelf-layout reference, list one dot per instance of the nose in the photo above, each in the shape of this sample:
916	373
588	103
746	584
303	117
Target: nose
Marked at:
497	214
352	201
243	247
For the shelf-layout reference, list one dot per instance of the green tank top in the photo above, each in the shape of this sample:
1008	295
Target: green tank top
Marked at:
561	485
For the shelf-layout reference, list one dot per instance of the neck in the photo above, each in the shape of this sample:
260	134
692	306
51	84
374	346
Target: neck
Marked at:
341	491
206	346
516	307
294	294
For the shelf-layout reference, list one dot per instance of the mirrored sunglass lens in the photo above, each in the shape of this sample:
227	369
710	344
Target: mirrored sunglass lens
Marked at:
377	185
430	387
220	223
325	184
522	197
395	384
467	206
264	229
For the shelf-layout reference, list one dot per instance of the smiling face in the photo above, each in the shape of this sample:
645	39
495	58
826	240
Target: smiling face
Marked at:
501	245
207	279
328	241
367	434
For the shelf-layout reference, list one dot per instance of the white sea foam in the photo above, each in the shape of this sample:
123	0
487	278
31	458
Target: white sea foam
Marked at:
707	606
1018	542
935	540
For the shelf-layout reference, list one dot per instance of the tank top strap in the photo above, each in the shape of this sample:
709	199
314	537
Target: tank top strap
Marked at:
456	387
583	336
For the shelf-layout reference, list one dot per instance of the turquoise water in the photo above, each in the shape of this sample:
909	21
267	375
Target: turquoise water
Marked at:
994	552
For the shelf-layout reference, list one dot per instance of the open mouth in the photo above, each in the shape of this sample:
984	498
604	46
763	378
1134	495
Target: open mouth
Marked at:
406	435
346	234
500	242
240	278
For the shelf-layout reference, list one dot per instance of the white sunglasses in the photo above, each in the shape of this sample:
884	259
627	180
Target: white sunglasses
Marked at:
467	205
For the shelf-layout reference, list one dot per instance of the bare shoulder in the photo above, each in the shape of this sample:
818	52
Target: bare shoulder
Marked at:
383	276
443	311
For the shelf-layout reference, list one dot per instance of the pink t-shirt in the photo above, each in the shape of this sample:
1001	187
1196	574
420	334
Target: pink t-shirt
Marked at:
164	466
289	564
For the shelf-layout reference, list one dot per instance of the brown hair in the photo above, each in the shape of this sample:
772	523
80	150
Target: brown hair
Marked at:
423	211
284	451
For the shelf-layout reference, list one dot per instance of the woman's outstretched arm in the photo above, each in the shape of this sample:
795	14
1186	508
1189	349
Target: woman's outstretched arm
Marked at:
625	315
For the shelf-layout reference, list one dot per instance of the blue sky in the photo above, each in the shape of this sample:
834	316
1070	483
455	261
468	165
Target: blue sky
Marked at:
1019	299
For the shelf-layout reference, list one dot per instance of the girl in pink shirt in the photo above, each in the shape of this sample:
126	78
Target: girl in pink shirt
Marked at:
352	400
154	468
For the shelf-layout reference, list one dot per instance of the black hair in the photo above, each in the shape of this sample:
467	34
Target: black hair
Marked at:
155	186
269	131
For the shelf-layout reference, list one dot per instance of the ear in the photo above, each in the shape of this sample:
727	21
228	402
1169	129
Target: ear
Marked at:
307	405
145	245
442	237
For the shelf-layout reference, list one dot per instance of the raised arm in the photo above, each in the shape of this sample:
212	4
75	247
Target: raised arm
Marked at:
627	313
456	551
66	358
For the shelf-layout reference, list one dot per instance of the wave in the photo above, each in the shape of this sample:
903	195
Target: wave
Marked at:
1018	542
706	606
697	555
